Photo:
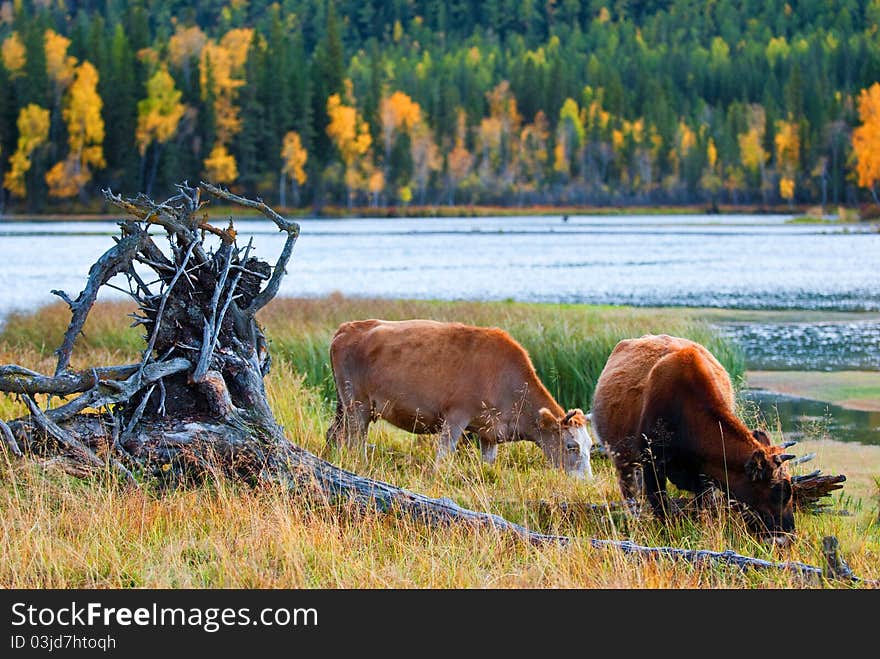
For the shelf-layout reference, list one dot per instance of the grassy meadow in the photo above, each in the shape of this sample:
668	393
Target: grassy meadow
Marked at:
56	531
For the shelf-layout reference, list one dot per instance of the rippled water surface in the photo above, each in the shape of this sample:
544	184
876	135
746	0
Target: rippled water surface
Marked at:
819	346
758	262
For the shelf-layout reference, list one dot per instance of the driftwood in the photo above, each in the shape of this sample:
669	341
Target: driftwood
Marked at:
194	406
836	568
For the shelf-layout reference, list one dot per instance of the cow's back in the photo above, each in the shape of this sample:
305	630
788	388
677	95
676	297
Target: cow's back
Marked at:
424	365
620	390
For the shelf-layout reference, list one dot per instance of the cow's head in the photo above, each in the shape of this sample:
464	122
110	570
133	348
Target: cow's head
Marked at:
766	489
566	441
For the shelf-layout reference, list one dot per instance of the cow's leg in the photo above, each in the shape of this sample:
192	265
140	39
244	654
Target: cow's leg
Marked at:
356	423
655	488
655	477
450	432
336	430
489	450
629	478
352	419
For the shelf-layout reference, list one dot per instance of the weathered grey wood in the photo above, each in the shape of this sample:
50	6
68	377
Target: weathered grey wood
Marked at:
110	392
114	261
9	440
78	451
19	380
704	555
292	228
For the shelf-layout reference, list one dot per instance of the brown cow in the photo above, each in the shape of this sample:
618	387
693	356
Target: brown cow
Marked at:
431	377
665	406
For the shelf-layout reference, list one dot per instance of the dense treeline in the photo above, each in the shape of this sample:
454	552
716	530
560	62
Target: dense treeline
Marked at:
393	102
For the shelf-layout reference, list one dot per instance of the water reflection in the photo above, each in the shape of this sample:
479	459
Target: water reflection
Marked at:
802	418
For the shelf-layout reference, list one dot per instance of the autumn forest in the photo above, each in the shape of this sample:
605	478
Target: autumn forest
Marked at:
370	104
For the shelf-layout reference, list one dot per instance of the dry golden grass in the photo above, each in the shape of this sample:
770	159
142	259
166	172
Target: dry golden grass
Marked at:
59	532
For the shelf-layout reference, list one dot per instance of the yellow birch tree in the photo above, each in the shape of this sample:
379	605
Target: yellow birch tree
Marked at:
788	147
752	154
220	165
60	67
33	131
398	113
294	157
85	131
14	55
221	73
159	116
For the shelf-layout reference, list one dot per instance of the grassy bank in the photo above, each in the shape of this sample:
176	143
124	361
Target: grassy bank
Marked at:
59	532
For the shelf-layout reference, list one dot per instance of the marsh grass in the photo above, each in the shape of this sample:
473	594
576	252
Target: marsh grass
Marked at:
568	344
56	531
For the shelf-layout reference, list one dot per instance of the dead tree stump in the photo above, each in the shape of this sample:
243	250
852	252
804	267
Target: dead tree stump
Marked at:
195	403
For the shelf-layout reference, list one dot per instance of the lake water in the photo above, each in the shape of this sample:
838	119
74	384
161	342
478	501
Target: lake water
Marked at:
739	261
755	262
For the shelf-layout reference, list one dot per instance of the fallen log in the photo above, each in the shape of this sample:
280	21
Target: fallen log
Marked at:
836	569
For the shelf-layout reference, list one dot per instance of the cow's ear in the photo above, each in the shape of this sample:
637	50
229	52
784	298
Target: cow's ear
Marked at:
546	419
761	436
758	468
574	417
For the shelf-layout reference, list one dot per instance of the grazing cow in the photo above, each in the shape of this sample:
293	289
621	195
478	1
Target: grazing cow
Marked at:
431	377
664	406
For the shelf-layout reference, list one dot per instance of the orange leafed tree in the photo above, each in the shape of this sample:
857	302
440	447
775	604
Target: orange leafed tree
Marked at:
534	151
425	156
85	130
351	135
184	46
866	140
460	161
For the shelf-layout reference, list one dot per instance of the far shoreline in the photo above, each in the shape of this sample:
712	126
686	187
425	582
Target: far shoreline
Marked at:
804	213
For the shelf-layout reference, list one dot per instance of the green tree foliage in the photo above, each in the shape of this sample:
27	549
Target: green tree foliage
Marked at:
522	101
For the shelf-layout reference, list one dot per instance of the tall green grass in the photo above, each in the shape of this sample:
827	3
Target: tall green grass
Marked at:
568	344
